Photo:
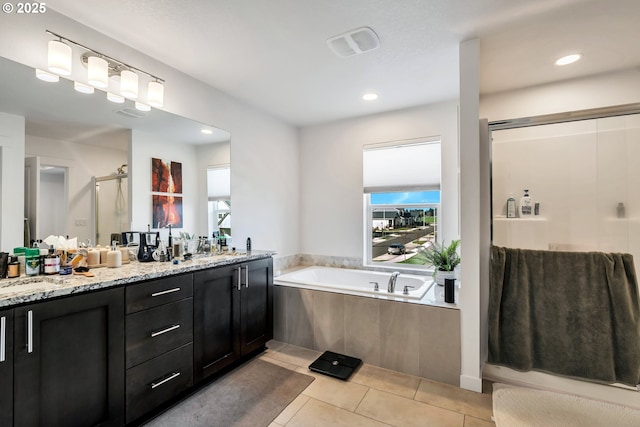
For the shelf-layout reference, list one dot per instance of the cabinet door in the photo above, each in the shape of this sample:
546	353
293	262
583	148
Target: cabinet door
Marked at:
216	320
256	326
69	361
6	368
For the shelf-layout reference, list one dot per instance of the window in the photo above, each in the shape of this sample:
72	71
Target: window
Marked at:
219	206
402	202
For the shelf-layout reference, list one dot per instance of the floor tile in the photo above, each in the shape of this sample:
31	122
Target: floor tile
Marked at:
288	412
470	421
278	362
390	381
319	414
299	356
456	399
401	412
273	345
345	395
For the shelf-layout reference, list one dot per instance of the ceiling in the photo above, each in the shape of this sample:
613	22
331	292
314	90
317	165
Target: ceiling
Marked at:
273	54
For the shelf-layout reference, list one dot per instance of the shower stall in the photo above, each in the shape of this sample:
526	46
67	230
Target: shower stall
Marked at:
111	208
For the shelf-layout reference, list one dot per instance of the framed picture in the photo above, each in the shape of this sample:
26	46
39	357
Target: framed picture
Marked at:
167	210
166	176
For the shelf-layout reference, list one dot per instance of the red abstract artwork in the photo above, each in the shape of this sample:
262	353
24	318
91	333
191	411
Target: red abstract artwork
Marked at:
166	176
167	210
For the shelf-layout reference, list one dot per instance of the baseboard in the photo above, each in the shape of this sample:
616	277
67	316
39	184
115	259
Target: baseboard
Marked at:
471	383
618	393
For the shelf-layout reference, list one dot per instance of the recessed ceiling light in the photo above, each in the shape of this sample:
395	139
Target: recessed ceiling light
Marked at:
569	59
370	96
207	131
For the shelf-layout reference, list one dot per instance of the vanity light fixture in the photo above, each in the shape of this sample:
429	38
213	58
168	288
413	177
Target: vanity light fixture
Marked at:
59	58
206	131
46	76
370	96
83	88
155	94
142	107
98	72
569	59
115	98
99	68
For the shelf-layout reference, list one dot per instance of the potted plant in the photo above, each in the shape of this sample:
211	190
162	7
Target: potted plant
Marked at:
444	260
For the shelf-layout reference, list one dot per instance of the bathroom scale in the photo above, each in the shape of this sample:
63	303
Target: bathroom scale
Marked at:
335	365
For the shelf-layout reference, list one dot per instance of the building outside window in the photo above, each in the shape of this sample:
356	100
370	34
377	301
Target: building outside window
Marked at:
401	202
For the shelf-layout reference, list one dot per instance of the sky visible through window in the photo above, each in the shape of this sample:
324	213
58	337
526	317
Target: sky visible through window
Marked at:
405	198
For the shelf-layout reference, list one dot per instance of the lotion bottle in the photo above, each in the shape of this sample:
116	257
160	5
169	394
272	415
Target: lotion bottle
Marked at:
525	204
114	256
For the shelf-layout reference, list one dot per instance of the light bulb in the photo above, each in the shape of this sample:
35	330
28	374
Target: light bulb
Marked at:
129	84
155	94
98	72
59	58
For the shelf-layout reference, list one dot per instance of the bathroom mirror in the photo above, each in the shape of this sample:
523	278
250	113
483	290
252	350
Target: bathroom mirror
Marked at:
86	136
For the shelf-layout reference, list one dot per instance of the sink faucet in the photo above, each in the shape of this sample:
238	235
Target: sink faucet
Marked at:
391	287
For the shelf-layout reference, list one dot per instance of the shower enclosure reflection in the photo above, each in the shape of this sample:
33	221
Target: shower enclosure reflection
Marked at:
112	213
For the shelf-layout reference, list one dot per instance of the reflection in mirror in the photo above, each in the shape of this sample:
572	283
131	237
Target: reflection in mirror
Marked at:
111	207
219	200
90	137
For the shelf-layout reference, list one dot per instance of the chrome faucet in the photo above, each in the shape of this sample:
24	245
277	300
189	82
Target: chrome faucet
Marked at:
391	287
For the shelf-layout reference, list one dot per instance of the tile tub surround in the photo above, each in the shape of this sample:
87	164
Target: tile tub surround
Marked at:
415	339
36	288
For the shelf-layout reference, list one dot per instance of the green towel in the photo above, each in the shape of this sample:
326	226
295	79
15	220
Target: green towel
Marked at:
570	313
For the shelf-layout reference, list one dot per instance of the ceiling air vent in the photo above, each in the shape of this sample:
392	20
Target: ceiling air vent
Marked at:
354	42
130	112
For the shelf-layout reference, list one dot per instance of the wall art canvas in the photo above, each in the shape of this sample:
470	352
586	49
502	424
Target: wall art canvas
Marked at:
166	176
167	210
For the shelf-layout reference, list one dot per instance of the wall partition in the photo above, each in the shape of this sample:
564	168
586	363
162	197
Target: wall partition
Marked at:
583	181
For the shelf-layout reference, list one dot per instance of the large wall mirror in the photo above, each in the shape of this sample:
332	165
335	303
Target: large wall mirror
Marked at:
88	161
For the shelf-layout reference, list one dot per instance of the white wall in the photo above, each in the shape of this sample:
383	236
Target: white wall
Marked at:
331	174
143	148
264	151
11	181
82	162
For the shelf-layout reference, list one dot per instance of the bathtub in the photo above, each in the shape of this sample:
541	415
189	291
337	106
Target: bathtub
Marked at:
356	282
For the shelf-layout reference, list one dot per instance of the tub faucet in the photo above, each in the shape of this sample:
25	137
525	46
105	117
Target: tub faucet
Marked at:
391	287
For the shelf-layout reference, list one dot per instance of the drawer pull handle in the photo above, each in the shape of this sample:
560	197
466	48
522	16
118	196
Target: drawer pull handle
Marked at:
164	331
169	378
168	291
3	338
30	331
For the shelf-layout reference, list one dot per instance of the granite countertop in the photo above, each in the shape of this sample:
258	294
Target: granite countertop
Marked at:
37	288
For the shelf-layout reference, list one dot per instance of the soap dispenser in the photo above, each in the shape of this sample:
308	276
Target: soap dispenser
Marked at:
525	204
114	256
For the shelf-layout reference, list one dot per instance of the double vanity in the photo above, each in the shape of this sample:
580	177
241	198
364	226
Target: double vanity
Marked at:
116	348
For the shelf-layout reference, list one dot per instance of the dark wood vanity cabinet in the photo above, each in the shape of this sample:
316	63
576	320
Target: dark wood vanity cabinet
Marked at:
232	314
159	348
68	361
6	368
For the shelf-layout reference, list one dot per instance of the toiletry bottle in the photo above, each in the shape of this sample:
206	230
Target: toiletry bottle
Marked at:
525	204
511	207
14	268
114	256
32	262
620	211
51	262
248	244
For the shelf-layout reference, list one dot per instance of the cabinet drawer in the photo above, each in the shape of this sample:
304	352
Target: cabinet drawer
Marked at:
158	292
158	380
155	331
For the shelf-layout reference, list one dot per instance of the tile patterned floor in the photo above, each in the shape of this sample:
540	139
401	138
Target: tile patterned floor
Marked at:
375	396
